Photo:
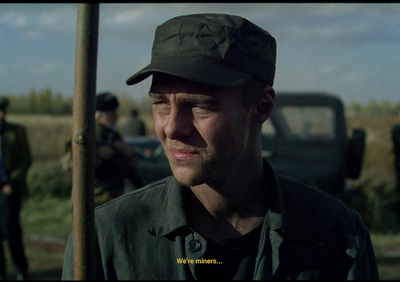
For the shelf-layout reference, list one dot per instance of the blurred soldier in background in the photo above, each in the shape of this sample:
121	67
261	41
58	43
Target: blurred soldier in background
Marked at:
133	126
15	160
115	161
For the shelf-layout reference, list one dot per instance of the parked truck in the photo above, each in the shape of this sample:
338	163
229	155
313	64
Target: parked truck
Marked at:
307	138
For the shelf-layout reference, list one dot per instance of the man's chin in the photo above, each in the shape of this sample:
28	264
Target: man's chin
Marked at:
187	178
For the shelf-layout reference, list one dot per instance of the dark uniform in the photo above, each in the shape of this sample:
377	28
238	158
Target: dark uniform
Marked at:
153	238
15	160
110	174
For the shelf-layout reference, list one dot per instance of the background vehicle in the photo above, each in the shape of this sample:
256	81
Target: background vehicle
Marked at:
305	138
152	162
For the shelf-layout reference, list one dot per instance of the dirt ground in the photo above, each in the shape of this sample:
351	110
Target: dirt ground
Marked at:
45	255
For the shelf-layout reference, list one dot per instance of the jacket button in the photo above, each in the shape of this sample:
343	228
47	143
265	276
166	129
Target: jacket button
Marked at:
194	245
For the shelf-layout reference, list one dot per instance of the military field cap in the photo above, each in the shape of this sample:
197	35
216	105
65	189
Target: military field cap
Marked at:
106	102
214	49
4	102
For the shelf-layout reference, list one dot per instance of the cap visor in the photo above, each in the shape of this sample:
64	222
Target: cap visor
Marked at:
198	69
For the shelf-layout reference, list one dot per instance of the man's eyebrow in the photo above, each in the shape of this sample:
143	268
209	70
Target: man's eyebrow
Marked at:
195	98
156	95
191	99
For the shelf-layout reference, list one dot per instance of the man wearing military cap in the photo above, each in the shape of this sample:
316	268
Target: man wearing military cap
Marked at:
15	160
224	213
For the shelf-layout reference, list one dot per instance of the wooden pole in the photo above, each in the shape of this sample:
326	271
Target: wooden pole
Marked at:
83	143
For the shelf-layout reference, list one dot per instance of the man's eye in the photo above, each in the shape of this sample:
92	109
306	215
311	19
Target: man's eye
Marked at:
202	109
160	106
158	102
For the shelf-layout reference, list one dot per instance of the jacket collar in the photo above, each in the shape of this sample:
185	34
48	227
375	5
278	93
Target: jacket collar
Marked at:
284	216
172	211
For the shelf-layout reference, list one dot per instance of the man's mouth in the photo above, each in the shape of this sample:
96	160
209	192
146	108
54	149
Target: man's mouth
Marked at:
183	154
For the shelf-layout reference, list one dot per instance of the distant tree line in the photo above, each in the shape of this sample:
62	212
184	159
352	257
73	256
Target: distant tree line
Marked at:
373	108
40	102
47	102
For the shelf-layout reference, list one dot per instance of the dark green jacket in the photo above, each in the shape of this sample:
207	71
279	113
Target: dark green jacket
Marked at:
16	155
312	235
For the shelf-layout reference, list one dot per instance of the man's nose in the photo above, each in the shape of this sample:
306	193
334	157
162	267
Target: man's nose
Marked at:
179	123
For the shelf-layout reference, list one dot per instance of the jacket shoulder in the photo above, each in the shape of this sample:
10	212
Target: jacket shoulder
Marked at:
318	208
307	195
139	202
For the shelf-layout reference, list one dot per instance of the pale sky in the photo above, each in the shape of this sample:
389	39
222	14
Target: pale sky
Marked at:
352	50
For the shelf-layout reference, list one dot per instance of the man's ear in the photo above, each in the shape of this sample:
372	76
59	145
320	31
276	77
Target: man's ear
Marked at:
264	107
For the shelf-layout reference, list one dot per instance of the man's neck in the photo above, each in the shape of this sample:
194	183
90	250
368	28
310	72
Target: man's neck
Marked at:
233	208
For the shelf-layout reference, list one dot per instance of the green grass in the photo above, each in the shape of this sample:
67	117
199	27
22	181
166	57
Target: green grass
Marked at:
384	240
46	224
49	216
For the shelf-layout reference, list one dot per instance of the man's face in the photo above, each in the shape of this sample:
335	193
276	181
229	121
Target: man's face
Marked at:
204	130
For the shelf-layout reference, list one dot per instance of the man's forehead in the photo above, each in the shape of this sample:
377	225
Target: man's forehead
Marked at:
189	98
167	84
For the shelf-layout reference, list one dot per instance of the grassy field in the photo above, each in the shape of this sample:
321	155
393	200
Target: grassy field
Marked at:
47	221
